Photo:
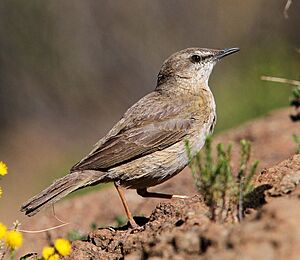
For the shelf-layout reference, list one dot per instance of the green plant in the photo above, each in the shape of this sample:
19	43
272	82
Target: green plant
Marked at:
295	102
75	234
223	191
120	220
93	226
296	139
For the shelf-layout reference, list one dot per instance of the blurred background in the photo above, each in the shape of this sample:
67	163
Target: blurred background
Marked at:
70	69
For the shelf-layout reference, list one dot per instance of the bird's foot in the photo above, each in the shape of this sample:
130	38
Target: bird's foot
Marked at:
180	196
146	194
134	225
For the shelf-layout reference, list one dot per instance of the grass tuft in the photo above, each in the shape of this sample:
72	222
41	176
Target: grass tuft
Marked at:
224	191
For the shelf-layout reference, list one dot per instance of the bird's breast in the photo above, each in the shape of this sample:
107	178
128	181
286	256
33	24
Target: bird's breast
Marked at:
204	112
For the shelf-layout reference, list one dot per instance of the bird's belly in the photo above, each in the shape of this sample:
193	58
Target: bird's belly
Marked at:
151	169
155	168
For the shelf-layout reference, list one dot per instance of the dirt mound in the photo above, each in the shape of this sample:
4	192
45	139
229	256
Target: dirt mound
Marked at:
272	143
182	230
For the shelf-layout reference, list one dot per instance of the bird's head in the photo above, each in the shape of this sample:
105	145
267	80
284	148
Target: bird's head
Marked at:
193	65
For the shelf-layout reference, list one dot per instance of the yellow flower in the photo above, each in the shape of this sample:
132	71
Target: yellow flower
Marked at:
3	230
1	192
3	168
63	246
48	251
54	257
14	239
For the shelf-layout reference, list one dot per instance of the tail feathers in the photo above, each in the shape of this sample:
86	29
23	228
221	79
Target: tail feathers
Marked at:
61	188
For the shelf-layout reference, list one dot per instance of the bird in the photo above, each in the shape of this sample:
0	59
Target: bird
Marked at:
147	146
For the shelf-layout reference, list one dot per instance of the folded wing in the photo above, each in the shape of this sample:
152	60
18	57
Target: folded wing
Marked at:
158	129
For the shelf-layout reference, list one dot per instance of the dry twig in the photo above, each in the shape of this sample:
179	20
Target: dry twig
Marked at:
286	8
281	80
47	229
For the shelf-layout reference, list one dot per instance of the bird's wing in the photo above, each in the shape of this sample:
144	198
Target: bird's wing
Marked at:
143	130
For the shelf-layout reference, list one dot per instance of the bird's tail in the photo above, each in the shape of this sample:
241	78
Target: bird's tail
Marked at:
60	188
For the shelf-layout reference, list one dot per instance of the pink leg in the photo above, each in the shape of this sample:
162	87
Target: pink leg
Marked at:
124	202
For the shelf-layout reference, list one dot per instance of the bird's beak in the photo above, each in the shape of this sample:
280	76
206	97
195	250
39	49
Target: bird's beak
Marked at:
222	53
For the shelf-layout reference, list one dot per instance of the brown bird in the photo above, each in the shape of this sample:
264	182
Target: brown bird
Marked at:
147	146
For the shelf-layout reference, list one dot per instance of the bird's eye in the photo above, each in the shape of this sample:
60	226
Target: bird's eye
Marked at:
195	58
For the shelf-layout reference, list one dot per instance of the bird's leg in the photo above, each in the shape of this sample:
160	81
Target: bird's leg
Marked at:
144	193
124	202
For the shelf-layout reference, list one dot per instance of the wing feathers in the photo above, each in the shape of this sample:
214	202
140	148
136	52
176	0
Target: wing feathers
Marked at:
149	125
135	142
